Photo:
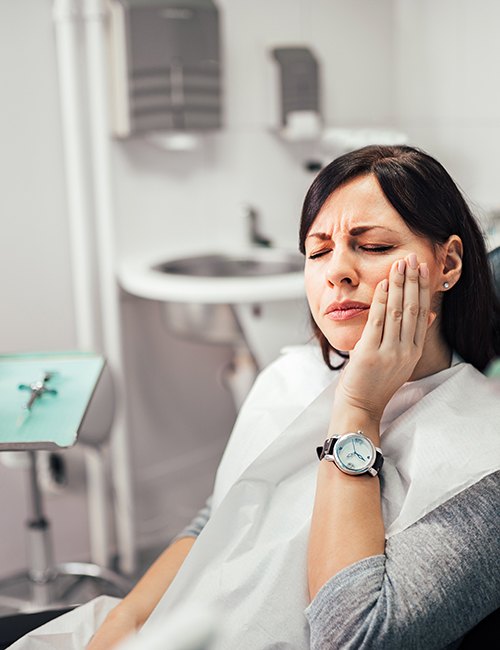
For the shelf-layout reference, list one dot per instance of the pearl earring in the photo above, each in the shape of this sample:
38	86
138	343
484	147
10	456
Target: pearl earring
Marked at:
446	285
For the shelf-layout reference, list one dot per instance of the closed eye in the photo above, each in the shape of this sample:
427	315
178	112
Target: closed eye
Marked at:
314	256
376	249
367	249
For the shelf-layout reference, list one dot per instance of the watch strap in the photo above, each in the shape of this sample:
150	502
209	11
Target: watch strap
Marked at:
379	461
327	447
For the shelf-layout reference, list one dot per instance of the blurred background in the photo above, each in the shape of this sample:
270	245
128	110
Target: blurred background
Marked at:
292	84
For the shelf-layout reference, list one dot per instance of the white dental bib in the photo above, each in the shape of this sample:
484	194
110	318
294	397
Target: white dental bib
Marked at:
250	559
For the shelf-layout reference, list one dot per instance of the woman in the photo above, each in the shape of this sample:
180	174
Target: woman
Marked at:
391	540
398	285
438	299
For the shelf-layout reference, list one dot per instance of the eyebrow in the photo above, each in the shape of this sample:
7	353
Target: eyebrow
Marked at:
358	230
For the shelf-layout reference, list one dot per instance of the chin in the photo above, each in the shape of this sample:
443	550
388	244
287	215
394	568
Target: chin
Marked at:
343	338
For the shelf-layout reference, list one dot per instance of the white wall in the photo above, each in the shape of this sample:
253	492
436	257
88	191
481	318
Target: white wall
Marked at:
447	56
36	285
180	413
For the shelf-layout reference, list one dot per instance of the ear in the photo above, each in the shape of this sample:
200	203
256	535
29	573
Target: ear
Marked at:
452	251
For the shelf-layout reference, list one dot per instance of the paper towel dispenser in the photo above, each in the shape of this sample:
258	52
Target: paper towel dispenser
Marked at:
165	66
299	86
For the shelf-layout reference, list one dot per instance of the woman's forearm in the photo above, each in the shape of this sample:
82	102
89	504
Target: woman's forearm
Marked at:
131	613
148	591
347	523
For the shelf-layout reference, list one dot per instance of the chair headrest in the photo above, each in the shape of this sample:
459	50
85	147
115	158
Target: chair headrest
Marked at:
494	257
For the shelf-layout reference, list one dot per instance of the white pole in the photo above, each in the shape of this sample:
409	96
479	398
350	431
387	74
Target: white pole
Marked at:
94	17
95	468
65	15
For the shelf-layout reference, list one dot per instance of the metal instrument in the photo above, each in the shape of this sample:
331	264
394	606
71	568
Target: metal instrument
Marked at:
38	389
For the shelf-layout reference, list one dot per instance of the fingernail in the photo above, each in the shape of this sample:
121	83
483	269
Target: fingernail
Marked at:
424	270
401	266
412	260
384	285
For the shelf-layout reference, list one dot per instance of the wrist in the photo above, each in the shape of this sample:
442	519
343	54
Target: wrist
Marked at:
371	409
354	419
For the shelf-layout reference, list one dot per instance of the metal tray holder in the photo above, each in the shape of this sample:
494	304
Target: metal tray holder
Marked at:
46	414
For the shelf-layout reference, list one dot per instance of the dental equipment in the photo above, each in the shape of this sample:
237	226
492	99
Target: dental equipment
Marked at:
53	425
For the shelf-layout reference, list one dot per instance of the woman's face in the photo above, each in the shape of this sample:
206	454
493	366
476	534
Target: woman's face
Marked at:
350	247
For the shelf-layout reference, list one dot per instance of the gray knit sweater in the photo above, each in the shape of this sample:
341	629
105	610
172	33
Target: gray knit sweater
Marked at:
436	580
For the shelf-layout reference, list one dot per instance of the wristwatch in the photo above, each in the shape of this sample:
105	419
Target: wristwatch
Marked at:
353	453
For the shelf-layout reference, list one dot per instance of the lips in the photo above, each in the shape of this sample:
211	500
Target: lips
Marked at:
346	310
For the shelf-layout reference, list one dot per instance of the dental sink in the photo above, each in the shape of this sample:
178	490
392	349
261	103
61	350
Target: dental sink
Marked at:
227	265
245	297
243	276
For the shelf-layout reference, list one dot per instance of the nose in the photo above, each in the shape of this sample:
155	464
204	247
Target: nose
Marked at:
341	268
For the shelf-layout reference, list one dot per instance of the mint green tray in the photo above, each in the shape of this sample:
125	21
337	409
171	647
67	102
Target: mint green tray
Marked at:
54	420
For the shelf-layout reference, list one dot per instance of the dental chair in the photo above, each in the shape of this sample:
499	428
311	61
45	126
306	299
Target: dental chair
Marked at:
485	634
46	590
494	257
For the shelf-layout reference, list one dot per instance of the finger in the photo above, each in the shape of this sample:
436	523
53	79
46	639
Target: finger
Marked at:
374	328
411	300
423	321
394	310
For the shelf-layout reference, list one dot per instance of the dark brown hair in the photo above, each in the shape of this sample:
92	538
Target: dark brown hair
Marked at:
432	206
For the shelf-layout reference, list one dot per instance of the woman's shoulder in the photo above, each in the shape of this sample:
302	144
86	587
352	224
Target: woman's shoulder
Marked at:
437	579
305	353
468	380
298	368
300	358
478	498
473	513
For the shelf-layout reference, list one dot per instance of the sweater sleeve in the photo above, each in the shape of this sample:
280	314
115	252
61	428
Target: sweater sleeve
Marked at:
198	523
436	580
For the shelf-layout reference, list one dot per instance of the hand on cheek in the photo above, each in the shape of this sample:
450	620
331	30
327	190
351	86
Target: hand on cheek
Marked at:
392	341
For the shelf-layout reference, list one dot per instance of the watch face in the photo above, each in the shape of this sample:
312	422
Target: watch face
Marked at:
354	453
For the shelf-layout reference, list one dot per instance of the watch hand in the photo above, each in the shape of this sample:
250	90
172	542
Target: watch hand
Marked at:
359	455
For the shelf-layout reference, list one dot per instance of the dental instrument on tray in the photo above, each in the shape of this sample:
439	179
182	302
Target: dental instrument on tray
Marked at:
38	388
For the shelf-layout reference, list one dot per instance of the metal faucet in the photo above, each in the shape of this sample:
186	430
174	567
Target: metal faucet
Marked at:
256	237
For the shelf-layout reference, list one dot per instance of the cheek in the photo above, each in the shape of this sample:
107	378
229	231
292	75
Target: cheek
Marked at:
313	287
374	271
